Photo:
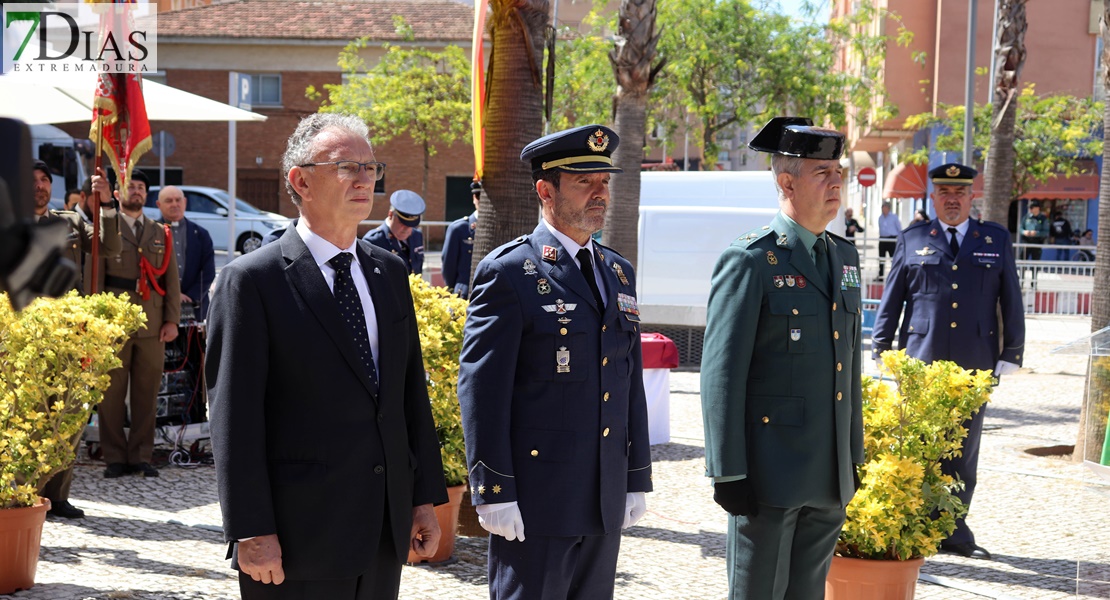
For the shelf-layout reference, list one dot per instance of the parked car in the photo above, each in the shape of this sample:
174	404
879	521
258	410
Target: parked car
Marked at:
207	207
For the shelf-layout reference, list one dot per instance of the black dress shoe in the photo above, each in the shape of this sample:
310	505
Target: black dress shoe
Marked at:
967	550
115	470
146	469
62	508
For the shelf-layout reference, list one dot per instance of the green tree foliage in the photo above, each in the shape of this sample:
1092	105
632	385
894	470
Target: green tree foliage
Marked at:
584	83
412	90
1054	135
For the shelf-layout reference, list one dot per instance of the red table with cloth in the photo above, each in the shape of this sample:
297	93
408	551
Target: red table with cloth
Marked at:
660	356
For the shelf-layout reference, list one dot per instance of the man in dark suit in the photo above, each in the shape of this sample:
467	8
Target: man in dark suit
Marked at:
458	248
326	455
551	386
78	244
192	245
399	233
780	375
955	276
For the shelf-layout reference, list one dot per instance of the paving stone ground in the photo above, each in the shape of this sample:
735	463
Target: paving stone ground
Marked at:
1044	518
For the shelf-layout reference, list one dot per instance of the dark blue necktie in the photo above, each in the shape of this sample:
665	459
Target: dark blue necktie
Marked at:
350	309
952	242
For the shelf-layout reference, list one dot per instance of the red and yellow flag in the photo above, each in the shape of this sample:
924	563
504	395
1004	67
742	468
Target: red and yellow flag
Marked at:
119	112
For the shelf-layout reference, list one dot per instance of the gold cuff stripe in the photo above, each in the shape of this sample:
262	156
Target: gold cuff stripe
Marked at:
570	160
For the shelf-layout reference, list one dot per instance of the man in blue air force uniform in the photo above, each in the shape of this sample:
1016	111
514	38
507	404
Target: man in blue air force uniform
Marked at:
780	375
956	276
399	233
551	386
458	247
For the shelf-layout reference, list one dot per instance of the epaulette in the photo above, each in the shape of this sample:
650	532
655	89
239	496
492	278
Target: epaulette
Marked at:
983	223
608	249
838	238
748	238
915	224
500	251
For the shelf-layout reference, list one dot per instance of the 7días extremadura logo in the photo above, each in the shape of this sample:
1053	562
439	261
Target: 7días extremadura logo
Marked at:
102	37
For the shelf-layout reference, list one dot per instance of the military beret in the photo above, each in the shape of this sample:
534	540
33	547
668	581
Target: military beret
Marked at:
952	174
41	166
587	149
137	175
796	136
408	206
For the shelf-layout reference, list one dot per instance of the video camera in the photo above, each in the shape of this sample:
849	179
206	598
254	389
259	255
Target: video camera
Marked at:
31	259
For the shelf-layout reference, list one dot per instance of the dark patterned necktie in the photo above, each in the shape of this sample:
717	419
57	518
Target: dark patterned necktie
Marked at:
350	309
952	243
821	259
587	267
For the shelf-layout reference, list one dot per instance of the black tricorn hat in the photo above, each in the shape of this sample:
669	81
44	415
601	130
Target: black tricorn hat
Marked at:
796	136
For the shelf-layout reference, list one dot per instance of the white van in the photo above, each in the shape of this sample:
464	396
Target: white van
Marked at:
687	219
64	154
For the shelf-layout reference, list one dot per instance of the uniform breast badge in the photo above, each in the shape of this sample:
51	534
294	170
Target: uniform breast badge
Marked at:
529	267
562	360
559	307
550	253
789	281
801	281
926	251
771	258
620	274
795	334
543	287
779	281
989	240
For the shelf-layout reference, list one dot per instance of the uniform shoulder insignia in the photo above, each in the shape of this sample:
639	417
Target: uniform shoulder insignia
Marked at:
983	223
753	236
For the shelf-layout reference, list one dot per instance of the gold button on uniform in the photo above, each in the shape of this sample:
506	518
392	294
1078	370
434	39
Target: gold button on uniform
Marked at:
605	432
604	327
535	453
836	335
766	419
839	367
795	311
839	395
604	360
953	324
955	286
955	305
834	305
605	397
563	331
954	267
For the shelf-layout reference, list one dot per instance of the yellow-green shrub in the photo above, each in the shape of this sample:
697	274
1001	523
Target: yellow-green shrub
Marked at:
55	356
905	506
440	316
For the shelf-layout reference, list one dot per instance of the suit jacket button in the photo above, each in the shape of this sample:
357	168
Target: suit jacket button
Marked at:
953	324
380	417
954	267
955	305
766	419
834	305
795	311
604	327
839	395
535	453
839	366
836	335
563	331
378	470
605	432
955	286
604	360
605	397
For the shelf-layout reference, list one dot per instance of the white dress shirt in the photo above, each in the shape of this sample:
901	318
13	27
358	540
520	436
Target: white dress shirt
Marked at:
572	247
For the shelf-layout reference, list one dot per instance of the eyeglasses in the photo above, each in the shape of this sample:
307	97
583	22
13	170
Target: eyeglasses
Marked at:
349	169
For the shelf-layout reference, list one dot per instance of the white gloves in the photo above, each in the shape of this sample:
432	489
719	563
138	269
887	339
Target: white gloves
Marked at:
635	505
502	519
1005	368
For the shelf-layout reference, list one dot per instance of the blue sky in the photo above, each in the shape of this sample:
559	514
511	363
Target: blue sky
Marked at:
794	7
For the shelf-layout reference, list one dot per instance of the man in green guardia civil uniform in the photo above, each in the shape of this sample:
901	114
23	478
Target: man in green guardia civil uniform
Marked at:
780	375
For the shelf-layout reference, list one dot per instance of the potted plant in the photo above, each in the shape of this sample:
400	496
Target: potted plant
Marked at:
440	316
55	356
905	506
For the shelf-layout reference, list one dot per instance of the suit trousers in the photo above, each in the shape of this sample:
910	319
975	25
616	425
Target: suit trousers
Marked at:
380	581
58	487
553	568
143	359
784	553
964	468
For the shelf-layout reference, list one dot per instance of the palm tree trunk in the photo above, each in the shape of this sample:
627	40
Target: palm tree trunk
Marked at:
514	117
632	58
998	176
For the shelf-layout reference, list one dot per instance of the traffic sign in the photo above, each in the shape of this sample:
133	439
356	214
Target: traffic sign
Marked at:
866	177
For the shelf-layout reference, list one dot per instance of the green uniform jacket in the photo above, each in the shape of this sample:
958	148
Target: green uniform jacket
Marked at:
780	372
79	241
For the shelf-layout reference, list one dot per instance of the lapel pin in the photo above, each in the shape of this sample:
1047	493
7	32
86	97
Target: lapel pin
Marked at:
771	258
550	253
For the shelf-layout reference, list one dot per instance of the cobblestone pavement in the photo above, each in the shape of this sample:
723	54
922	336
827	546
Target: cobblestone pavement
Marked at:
1044	518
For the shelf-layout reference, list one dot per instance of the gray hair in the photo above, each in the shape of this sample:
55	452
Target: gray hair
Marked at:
780	163
301	145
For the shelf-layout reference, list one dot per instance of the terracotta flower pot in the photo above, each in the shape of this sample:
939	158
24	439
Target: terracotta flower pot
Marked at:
448	517
20	536
468	518
859	579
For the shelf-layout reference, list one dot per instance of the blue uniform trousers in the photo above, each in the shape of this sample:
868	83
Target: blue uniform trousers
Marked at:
964	468
783	553
553	568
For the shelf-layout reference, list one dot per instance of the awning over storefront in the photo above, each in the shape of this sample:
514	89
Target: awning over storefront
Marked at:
909	181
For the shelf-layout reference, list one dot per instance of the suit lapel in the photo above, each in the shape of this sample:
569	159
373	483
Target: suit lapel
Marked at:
799	255
836	265
385	304
611	284
564	268
304	274
938	238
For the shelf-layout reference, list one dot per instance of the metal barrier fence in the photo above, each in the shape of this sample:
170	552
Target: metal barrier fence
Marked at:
1059	283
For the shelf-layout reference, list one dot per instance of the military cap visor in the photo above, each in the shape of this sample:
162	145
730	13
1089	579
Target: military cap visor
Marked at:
952	174
796	136
410	220
407	206
587	149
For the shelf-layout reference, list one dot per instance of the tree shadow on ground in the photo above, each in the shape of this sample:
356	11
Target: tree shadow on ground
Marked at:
1048	574
141	530
712	544
676	452
1014	417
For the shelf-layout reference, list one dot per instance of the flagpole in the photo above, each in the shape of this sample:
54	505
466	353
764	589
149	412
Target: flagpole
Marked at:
96	209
